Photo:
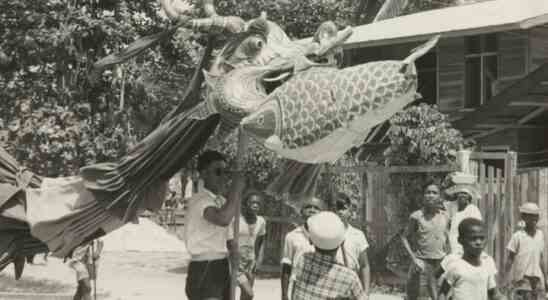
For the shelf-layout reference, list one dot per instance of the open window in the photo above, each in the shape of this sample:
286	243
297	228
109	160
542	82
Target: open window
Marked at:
481	69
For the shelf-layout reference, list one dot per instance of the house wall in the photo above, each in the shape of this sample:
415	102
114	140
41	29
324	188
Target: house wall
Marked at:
507	137
519	53
538	46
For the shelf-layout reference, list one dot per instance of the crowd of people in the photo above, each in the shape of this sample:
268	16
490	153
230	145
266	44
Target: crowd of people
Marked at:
326	257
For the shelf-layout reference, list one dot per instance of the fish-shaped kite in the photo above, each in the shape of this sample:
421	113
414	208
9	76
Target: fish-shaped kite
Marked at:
321	113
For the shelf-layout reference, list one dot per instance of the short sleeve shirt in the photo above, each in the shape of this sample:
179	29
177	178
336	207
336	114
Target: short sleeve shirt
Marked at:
471	211
296	242
201	236
469	281
431	234
354	244
528	250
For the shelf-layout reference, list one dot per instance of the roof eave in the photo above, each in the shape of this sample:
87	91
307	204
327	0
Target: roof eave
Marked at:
525	24
448	34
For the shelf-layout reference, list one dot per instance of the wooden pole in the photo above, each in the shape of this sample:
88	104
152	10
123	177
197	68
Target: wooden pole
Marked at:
240	164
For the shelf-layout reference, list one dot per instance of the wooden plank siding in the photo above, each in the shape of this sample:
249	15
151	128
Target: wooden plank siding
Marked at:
451	71
538	45
513	48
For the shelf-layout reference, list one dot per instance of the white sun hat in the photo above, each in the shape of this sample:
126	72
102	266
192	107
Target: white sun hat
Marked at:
469	189
529	208
326	230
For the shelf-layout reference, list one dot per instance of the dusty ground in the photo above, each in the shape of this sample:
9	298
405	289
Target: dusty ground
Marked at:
128	276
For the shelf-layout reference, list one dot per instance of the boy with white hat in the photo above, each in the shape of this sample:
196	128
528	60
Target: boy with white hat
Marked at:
526	247
317	275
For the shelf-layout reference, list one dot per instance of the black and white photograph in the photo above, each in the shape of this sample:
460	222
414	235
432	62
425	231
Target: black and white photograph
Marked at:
273	150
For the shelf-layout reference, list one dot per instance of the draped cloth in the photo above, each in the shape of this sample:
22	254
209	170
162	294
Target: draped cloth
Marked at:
296	179
123	187
57	214
16	240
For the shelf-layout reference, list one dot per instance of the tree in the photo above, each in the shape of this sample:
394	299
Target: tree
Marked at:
421	135
57	118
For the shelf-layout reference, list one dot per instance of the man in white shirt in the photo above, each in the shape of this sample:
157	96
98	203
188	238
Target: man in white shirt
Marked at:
206	229
297	241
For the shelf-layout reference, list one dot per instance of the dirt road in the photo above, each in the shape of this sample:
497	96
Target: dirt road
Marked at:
137	276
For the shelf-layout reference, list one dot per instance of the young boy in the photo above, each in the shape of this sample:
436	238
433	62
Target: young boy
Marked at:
525	251
472	276
428	228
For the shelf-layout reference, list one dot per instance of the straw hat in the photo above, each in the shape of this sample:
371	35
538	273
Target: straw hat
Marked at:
326	230
529	208
464	188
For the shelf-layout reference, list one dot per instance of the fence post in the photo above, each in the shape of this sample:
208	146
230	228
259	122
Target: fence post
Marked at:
463	161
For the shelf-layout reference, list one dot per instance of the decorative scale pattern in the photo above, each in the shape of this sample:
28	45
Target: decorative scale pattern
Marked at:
317	101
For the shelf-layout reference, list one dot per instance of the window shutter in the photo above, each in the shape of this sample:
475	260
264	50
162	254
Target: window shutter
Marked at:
451	74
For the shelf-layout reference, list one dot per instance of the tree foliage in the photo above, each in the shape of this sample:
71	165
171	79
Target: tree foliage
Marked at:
56	118
421	135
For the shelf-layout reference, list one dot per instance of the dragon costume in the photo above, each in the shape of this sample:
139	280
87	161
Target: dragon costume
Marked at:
315	114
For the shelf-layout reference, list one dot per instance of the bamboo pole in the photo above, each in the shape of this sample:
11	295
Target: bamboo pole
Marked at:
240	164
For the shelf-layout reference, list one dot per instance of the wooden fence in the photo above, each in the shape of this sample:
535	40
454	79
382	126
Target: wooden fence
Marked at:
503	188
531	185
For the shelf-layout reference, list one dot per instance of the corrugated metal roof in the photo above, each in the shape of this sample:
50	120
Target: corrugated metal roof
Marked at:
483	17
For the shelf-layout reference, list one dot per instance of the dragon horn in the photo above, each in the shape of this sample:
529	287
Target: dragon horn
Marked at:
421	50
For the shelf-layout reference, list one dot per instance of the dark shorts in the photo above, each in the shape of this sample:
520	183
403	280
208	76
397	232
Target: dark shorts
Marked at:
208	279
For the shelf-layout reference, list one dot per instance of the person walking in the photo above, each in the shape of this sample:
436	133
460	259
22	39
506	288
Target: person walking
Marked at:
524	267
473	275
317	275
84	261
251	237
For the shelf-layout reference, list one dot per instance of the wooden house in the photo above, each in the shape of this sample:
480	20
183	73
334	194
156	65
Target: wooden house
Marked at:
489	71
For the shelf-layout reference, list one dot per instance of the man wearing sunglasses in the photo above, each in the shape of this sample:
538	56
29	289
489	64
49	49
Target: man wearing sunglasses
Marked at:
207	228
297	241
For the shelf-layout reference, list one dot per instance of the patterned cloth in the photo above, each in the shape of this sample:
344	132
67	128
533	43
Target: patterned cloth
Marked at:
317	276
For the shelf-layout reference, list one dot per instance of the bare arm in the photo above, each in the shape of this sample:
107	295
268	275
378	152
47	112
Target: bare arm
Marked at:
411	228
508	267
222	216
258	245
231	247
286	273
365	273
